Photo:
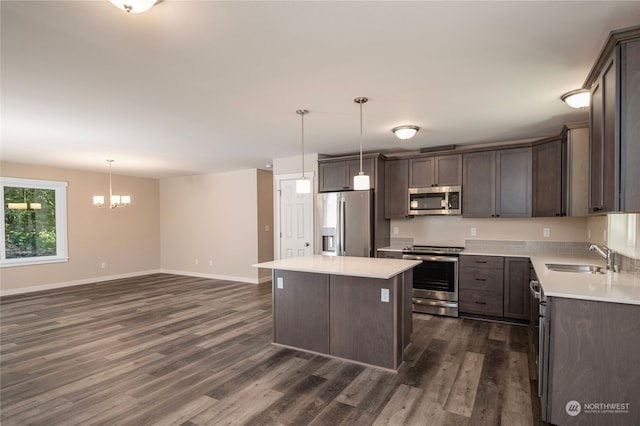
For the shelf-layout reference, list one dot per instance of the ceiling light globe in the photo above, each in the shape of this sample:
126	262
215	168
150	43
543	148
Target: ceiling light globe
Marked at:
577	98
405	132
133	6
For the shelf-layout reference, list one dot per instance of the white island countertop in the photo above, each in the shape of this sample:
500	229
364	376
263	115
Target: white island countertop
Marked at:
368	267
615	287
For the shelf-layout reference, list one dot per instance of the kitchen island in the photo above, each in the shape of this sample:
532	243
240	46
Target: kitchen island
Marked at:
354	308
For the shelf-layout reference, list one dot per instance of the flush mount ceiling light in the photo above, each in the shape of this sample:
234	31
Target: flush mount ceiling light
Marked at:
114	200
405	132
303	185
361	181
134	6
577	98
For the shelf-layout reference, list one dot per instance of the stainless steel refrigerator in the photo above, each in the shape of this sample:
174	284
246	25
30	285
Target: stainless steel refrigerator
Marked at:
345	223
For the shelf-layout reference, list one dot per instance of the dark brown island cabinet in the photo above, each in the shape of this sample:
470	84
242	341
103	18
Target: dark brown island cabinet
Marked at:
614	82
344	312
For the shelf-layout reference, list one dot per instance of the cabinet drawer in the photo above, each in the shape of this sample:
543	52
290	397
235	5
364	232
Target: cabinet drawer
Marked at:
481	279
495	262
481	302
389	254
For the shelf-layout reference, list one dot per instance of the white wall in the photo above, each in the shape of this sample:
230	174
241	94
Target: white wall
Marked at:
209	225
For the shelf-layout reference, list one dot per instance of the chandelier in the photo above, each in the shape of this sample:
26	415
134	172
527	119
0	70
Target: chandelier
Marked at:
114	200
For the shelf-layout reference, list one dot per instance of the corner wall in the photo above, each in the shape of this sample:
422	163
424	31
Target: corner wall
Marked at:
209	225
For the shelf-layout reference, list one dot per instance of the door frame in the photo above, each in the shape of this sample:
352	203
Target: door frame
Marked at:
277	192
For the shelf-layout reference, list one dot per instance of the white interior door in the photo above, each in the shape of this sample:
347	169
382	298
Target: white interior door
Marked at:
295	220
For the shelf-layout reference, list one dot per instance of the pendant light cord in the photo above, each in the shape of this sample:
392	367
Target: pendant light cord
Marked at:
110	188
302	113
302	118
361	172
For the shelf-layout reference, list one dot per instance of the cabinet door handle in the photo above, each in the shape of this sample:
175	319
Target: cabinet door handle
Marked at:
481	279
481	261
481	303
596	209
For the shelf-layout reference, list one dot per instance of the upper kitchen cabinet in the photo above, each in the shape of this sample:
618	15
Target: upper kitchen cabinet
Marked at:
443	170
549	178
336	174
614	147
396	189
497	183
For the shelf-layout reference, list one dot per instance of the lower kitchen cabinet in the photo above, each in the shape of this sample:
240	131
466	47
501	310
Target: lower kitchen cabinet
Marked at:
517	297
590	373
494	286
480	285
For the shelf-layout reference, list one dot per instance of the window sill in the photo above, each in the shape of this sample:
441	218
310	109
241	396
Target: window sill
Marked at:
8	263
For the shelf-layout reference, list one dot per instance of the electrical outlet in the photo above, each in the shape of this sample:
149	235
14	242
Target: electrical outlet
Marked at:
103	265
210	262
279	282
546	232
395	230
474	231
196	261
384	295
266	228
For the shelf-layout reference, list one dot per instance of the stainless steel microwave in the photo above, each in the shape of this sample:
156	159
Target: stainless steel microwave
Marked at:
436	200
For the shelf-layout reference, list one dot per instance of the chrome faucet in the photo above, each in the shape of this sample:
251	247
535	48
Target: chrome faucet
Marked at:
608	255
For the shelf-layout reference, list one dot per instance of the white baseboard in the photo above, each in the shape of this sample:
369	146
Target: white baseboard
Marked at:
76	282
247	280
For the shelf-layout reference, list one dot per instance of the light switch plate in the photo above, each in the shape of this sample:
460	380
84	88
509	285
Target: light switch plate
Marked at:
384	295
546	232
395	230
279	282
474	231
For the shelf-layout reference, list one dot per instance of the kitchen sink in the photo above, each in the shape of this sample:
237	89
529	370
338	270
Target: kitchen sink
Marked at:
584	269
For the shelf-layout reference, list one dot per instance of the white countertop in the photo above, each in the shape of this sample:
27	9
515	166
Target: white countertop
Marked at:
368	267
615	287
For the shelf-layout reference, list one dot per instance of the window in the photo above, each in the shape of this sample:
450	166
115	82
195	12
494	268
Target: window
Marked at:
35	222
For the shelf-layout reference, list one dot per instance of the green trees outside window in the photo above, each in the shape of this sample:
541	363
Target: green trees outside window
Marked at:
30	222
35	221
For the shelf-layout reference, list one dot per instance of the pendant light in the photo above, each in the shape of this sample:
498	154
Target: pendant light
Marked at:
361	181
303	185
114	200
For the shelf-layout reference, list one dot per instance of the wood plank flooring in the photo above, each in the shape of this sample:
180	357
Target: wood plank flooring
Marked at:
172	350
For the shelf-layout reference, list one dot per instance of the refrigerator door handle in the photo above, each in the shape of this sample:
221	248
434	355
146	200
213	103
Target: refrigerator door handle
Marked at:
342	221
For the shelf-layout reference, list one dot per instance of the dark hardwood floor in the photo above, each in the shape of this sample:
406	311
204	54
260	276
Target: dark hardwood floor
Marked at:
166	349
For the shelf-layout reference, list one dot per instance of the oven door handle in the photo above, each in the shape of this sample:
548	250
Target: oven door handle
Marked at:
431	258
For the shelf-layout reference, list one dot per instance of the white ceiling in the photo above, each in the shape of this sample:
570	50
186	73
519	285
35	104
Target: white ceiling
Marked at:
206	86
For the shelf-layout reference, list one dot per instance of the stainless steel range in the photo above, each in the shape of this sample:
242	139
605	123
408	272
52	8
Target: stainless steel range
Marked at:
435	280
